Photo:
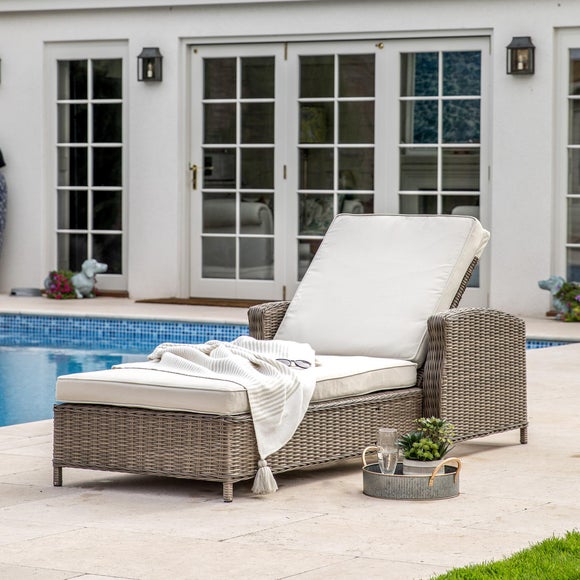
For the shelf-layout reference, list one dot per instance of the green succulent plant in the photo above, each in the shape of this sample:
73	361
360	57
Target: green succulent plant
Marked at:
431	441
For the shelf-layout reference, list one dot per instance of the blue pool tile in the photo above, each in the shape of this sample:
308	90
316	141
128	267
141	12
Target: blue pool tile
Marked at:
108	333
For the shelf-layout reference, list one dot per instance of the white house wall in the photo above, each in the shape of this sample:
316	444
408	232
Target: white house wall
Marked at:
522	197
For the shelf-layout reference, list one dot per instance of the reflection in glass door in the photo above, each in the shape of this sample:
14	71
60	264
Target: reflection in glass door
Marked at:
440	134
336	152
237	173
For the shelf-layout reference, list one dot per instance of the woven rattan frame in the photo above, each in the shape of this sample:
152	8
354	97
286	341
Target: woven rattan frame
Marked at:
474	376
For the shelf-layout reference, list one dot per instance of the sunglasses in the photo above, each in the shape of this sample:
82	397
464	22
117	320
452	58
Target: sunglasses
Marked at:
301	364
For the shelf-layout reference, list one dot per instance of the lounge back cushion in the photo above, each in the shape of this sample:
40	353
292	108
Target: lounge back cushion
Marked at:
375	281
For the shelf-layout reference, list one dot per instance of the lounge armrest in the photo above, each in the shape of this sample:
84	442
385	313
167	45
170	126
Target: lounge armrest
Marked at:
475	372
264	319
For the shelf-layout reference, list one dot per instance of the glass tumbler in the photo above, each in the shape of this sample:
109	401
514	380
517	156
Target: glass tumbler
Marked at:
388	450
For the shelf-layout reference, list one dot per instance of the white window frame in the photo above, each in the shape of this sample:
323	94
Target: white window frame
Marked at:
566	40
55	52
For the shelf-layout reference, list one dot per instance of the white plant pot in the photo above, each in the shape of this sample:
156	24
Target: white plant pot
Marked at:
414	467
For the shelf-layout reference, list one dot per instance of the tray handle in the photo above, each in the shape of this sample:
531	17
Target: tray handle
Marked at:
456	460
366	450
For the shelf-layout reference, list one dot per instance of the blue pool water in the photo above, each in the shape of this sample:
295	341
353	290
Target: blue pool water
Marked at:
35	350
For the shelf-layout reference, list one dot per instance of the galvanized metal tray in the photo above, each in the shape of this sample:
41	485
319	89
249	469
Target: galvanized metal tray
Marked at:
443	483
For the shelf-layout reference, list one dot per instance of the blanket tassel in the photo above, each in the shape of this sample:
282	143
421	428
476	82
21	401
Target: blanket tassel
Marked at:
264	481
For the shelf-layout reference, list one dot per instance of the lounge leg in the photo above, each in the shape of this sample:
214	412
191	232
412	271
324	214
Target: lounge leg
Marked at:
228	491
524	435
57	476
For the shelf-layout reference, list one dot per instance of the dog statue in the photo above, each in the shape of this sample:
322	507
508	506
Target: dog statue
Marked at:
84	281
553	285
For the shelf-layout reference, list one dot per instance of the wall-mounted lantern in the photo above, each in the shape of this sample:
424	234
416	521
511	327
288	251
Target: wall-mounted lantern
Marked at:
520	56
150	65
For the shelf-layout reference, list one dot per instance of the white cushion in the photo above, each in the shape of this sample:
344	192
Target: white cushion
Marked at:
375	281
336	377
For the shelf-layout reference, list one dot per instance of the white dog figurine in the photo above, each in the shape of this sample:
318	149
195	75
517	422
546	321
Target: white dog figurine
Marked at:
84	281
553	285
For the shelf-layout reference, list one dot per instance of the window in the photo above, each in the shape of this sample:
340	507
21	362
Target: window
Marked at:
573	185
336	148
439	157
89	163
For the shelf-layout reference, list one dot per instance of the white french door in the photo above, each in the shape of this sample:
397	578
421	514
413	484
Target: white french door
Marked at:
284	137
237	169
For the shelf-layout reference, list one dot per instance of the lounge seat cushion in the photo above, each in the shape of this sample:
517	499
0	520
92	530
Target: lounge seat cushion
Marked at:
375	281
336	377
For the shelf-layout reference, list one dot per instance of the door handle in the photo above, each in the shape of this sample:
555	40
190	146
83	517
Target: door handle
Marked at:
193	169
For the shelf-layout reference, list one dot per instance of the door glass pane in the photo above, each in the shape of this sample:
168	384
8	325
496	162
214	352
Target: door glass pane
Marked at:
418	169
72	166
218	257
107	79
462	73
219	213
72	80
258	77
256	258
107	210
461	121
419	74
219	78
356	203
72	250
316	122
306	251
72	209
219	168
316	212
460	169
356	75
316	168
356	122
573	221
421	204
258	123
574	122
419	122
360	164
316	76
573	264
107	123
461	205
219	123
574	88
257	214
107	248
107	166
574	171
257	168
72	123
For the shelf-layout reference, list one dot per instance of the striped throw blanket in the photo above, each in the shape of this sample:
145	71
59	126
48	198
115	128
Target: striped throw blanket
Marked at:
278	395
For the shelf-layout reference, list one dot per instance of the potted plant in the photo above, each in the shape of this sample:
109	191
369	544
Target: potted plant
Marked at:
424	449
569	297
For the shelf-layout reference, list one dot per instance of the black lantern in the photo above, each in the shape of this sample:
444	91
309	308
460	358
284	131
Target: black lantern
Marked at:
150	65
520	56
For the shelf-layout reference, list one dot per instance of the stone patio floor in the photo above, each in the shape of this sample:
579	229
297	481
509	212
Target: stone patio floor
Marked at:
319	524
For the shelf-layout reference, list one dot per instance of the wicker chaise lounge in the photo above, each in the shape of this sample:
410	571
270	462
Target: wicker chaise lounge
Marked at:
464	364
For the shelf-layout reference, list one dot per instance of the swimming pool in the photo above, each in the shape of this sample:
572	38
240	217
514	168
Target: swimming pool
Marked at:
35	350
